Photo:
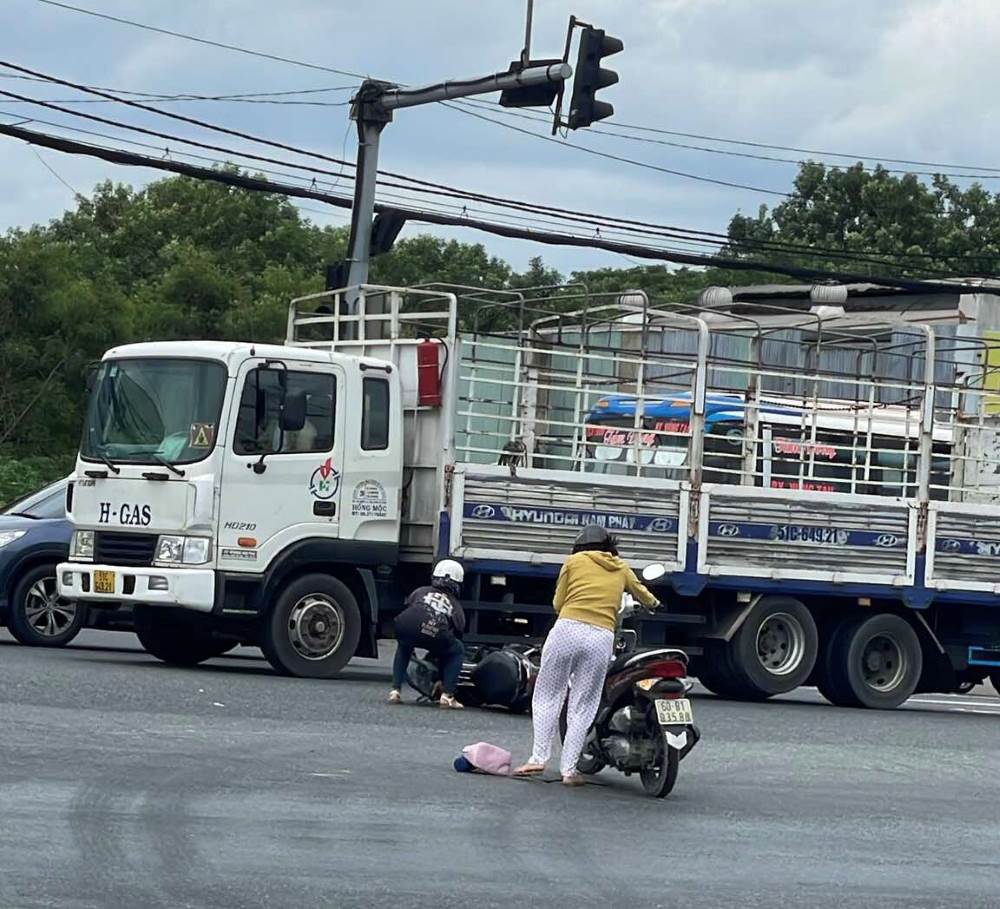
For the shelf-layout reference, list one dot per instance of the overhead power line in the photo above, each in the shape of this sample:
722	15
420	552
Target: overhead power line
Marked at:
620	158
119	156
601	130
596	222
206	41
938	166
196	96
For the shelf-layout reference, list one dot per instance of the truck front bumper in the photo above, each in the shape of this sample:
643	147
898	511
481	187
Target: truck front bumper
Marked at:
189	588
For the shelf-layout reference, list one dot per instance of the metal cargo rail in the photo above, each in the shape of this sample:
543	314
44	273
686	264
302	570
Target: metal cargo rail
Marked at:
791	447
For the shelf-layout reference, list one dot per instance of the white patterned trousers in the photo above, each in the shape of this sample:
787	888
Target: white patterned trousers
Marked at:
573	651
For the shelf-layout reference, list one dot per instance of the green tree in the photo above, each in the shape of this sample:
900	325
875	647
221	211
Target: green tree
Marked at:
913	226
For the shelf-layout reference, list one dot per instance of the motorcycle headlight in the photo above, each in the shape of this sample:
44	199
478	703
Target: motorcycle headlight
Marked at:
184	550
8	537
81	546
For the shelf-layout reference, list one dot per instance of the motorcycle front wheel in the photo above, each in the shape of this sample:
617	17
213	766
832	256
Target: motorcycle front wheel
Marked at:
659	778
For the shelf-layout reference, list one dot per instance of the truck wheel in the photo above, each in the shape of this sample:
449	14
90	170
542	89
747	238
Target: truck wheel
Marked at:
313	629
873	662
38	616
177	645
773	651
715	671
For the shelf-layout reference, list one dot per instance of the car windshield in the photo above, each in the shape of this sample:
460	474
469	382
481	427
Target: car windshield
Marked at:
49	502
146	411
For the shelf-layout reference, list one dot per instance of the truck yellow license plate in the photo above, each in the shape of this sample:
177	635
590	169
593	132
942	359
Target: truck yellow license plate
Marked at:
104	582
674	713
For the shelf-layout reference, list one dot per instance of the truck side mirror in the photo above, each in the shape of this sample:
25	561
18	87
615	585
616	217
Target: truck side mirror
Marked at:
90	376
293	413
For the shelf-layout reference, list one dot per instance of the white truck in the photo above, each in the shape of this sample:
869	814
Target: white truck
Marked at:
820	525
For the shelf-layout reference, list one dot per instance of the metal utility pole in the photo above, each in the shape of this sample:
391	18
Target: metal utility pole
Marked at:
372	108
526	53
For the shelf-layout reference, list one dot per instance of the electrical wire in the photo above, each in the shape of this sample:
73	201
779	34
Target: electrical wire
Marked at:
620	158
261	97
594	221
119	156
55	174
206	41
601	130
621	125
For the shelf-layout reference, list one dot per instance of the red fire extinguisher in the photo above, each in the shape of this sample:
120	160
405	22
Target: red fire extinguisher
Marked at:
428	374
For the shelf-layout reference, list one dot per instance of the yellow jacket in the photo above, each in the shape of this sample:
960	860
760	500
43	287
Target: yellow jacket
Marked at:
590	588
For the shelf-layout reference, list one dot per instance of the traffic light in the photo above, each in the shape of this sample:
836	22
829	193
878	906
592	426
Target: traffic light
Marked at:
584	108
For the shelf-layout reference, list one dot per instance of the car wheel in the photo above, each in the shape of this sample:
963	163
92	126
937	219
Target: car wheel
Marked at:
39	617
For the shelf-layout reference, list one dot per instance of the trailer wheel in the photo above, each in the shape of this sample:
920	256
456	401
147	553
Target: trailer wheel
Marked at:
873	662
773	651
313	629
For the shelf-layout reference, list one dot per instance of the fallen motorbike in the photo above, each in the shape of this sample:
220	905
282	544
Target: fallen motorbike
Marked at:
644	724
490	676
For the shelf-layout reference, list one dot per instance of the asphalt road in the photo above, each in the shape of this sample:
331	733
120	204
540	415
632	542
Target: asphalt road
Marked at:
125	783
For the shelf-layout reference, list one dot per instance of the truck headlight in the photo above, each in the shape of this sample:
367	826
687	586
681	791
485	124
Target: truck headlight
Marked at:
81	546
8	537
183	550
197	550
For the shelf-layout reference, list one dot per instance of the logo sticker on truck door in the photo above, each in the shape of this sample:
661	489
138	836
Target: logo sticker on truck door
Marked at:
369	500
325	481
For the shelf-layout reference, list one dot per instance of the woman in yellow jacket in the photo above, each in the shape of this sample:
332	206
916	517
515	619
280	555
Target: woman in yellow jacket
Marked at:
580	645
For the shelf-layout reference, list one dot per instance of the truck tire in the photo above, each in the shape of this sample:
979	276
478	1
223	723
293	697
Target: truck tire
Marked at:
774	650
37	616
715	671
180	646
313	629
872	662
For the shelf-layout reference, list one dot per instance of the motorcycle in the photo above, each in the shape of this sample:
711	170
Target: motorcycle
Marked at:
645	723
490	676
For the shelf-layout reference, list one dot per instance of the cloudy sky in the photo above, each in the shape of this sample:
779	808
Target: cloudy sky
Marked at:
908	79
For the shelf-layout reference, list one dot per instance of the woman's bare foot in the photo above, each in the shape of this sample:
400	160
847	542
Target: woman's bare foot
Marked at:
529	769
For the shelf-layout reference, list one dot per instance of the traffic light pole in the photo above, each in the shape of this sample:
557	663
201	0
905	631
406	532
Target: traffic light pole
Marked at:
372	108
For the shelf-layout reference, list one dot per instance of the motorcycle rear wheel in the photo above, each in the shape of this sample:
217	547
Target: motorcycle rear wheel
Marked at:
659	779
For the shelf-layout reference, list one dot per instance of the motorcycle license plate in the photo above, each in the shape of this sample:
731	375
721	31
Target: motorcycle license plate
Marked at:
674	712
104	582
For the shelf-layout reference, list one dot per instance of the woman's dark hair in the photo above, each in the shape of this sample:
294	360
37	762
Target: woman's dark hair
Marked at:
595	539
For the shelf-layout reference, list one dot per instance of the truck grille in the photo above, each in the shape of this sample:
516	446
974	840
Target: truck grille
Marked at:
124	548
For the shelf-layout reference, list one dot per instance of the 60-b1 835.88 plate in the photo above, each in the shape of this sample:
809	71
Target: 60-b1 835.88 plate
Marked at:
674	712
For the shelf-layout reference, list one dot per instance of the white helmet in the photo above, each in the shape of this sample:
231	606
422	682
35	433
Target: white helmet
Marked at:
448	570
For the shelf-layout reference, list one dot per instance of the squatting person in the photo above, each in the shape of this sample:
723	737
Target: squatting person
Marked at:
434	621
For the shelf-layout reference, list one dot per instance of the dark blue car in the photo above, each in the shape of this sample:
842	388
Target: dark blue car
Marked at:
34	538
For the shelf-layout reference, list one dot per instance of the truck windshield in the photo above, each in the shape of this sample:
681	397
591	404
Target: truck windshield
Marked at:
146	411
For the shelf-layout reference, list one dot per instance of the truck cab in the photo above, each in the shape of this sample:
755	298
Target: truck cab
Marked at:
239	493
